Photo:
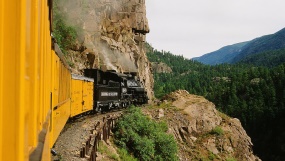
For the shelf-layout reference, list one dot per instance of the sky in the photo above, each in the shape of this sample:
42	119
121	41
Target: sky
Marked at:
193	28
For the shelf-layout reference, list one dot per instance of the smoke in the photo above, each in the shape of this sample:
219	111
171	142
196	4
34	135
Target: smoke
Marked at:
128	64
106	55
115	60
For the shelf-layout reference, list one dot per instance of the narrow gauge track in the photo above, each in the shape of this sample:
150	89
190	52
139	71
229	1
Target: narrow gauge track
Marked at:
75	134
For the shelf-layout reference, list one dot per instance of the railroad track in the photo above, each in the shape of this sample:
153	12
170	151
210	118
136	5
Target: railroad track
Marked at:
80	137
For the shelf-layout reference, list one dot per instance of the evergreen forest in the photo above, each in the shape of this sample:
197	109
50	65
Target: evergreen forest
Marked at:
252	90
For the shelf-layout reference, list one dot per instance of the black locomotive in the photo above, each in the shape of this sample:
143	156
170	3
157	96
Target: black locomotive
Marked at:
115	90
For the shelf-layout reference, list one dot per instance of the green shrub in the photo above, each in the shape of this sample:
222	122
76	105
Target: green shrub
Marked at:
212	156
144	138
163	126
104	149
217	131
64	34
125	156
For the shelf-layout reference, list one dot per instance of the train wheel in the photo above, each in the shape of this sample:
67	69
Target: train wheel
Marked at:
110	105
98	109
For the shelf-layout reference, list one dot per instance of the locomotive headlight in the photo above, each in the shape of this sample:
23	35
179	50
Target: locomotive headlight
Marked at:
124	90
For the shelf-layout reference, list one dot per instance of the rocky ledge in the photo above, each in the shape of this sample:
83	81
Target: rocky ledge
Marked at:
201	131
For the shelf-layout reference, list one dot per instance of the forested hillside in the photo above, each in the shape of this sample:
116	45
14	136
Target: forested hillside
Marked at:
267	59
254	94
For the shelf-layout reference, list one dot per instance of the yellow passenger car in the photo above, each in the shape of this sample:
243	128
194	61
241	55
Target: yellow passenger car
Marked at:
34	82
60	94
81	95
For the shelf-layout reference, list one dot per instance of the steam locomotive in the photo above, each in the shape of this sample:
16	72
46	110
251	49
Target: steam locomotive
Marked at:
115	90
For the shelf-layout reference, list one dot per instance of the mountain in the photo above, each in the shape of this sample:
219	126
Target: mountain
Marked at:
242	51
262	44
223	55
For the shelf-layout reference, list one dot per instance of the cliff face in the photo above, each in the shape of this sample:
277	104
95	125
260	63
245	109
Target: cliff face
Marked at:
202	132
111	36
160	67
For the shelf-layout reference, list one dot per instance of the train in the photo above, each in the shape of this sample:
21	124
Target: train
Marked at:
38	92
115	90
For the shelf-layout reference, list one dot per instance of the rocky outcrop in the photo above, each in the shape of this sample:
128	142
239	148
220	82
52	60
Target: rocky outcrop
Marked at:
201	131
160	67
111	36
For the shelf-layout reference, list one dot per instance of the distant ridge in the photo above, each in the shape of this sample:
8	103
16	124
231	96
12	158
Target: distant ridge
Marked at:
271	42
240	51
224	55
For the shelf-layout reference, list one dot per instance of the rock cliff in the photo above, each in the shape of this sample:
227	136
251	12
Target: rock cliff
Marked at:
160	67
201	131
111	36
